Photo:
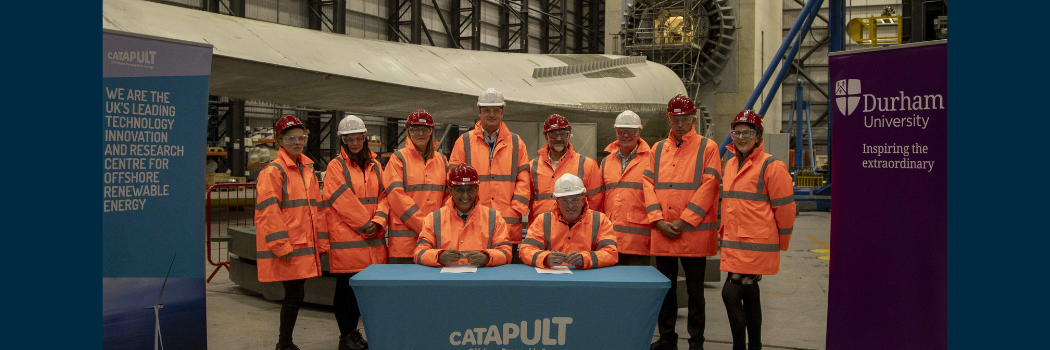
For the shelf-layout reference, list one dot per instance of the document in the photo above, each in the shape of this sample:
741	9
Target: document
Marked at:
557	270
459	269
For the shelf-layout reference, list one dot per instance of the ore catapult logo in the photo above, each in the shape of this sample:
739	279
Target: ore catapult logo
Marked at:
498	337
141	59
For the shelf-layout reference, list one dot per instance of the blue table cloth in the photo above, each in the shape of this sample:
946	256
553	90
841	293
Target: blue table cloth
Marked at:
509	307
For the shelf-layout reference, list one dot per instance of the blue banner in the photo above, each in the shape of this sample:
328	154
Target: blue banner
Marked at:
509	307
155	94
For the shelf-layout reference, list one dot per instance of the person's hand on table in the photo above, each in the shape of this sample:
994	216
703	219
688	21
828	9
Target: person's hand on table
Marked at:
449	256
575	258
476	258
555	258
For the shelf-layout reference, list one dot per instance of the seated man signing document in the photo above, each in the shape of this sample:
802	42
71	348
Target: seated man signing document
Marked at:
463	232
572	234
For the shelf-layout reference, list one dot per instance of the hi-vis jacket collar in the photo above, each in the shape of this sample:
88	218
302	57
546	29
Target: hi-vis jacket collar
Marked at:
287	158
731	147
691	136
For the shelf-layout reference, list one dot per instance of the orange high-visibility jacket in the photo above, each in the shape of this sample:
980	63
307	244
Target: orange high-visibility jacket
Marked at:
288	220
758	213
543	177
592	236
484	231
686	180
414	189
504	175
627	195
354	197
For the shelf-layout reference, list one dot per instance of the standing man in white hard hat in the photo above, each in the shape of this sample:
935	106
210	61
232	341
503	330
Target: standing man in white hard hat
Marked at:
570	234
353	190
627	174
686	171
558	158
501	160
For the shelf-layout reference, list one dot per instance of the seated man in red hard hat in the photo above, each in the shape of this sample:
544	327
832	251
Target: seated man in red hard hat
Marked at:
463	231
572	233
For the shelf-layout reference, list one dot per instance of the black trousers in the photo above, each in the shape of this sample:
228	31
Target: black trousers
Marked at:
347	311
294	292
514	259
694	283
633	260
745	314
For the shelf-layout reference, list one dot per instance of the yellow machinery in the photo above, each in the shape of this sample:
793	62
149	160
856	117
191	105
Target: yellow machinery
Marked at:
671	28
865	30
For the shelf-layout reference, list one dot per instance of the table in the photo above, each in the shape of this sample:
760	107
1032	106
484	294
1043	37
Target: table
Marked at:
509	307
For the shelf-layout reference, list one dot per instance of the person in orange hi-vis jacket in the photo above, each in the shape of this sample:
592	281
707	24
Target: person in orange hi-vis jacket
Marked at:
501	160
686	177
572	233
758	214
291	230
463	231
628	191
357	213
415	185
558	158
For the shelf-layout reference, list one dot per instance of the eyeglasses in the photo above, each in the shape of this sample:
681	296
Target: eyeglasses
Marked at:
627	132
465	189
745	134
353	138
418	130
557	135
294	139
491	110
571	200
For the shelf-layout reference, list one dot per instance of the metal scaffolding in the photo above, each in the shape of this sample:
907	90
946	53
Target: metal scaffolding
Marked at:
691	37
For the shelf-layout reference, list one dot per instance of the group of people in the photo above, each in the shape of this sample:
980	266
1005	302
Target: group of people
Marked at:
634	204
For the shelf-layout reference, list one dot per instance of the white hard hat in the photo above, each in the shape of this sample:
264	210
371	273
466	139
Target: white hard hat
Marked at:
568	185
351	124
491	97
628	119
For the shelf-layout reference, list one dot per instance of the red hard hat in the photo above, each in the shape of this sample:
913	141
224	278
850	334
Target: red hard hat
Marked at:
555	122
750	117
680	105
287	122
420	117
463	174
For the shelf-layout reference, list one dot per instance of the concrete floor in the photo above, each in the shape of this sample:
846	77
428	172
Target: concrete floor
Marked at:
794	305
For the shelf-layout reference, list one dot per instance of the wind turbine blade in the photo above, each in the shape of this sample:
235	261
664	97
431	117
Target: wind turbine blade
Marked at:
166	279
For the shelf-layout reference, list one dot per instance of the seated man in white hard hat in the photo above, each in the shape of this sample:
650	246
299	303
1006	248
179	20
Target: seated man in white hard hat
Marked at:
572	234
463	232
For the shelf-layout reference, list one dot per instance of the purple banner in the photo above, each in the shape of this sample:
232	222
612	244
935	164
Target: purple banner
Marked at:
889	215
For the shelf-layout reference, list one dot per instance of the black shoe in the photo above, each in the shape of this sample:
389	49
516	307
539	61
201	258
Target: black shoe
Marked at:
287	347
664	344
696	347
352	341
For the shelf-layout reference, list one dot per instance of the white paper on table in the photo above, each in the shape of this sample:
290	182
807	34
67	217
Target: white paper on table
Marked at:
556	270
459	269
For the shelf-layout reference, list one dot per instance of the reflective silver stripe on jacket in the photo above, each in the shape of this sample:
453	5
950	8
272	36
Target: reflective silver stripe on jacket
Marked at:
359	244
402	233
632	230
756	247
276	235
266	254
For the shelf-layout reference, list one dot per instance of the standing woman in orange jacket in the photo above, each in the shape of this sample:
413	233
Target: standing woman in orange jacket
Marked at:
415	185
758	213
357	214
291	232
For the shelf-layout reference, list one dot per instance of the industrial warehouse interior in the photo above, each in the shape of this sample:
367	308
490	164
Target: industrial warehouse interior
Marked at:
214	88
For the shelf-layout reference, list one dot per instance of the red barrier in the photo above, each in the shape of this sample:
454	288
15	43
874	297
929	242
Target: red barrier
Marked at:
226	205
